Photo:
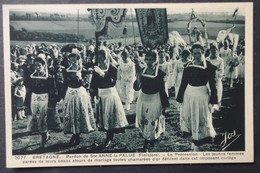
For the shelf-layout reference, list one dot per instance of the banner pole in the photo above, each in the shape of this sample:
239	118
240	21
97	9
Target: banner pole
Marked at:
96	49
78	29
133	28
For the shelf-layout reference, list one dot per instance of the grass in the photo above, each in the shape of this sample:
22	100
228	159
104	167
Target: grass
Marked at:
88	30
130	142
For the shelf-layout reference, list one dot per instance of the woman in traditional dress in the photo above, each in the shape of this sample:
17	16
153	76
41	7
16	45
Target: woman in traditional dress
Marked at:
152	100
241	67
13	75
165	67
219	63
178	69
28	70
195	98
126	76
225	54
232	69
109	109
78	112
42	85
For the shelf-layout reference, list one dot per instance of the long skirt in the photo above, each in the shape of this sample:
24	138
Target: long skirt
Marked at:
219	89
231	74
127	91
111	114
136	95
20	103
171	80
13	102
148	116
178	84
241	71
78	112
119	88
53	119
195	116
166	88
39	108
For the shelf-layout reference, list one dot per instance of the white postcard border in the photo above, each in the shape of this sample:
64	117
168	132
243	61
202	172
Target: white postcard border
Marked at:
155	158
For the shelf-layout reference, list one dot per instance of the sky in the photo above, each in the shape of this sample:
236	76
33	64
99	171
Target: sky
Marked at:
175	8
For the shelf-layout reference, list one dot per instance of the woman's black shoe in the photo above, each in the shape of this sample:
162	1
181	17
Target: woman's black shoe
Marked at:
72	139
145	148
77	141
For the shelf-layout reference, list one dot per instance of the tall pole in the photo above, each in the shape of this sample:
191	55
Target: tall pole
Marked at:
78	29
133	27
125	28
96	49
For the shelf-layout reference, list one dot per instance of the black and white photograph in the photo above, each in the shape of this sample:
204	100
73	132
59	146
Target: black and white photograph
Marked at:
120	84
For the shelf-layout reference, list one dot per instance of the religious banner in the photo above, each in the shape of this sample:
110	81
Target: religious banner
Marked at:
100	17
153	26
195	32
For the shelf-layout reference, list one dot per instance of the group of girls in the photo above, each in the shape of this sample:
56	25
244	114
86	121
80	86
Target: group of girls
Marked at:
234	62
70	82
111	83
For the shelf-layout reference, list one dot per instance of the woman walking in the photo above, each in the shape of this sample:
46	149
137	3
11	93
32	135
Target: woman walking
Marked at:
182	63
219	64
126	77
152	100
42	85
78	112
110	112
196	100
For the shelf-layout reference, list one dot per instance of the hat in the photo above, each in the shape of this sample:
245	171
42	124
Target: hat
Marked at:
197	45
23	51
43	44
22	57
30	56
14	65
214	44
125	53
227	42
74	53
186	50
40	58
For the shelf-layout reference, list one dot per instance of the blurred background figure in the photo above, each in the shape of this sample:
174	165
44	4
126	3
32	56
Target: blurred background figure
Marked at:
126	78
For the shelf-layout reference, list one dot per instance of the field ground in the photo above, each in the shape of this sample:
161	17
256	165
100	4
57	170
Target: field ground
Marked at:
25	43
228	119
88	30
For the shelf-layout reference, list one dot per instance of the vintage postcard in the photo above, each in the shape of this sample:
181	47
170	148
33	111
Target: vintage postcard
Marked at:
128	84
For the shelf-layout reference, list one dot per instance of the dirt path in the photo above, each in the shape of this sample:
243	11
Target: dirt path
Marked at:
230	118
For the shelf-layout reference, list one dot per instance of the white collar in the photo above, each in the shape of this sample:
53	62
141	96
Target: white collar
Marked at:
68	69
151	76
199	66
180	60
39	77
108	65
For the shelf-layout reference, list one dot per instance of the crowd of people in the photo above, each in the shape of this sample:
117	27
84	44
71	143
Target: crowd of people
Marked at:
96	84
